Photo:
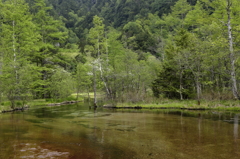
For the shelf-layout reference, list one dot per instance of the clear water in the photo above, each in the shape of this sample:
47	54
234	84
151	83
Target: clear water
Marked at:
75	132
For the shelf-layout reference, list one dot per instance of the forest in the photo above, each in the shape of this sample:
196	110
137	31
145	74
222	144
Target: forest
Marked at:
127	50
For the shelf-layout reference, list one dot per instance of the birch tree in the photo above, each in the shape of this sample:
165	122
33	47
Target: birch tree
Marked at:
97	37
227	13
18	40
231	50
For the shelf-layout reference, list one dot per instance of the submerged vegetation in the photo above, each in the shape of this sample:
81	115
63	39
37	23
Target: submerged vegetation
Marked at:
149	53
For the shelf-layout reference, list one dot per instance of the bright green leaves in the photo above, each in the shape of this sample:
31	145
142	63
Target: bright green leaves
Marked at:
18	31
199	42
51	30
82	78
180	9
175	19
197	17
18	40
97	37
61	84
29	48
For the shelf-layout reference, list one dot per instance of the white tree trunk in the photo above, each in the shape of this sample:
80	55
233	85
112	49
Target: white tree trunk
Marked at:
94	82
103	80
14	50
198	85
94	85
180	86
232	57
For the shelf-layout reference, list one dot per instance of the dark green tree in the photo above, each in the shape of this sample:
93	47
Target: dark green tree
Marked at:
52	36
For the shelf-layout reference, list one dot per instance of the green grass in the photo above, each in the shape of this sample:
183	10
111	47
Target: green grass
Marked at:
84	94
230	105
38	102
91	94
42	102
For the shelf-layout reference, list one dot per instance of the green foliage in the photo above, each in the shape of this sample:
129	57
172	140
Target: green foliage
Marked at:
52	36
178	48
18	38
61	84
138	36
77	15
97	38
83	79
168	83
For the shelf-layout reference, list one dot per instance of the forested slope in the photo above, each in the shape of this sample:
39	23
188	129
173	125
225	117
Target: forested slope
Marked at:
78	15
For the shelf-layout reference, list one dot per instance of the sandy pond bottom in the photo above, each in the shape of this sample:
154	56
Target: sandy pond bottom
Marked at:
75	132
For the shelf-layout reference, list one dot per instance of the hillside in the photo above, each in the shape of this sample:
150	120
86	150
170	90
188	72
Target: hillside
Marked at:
115	12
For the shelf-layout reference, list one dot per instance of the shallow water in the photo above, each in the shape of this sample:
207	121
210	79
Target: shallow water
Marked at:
70	132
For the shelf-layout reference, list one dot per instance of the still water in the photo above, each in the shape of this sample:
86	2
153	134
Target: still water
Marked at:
75	132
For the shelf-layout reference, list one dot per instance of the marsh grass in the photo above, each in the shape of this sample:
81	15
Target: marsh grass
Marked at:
5	105
230	105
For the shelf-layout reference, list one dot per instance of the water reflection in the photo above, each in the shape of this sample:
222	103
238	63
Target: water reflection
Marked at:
29	150
199	127
236	122
77	132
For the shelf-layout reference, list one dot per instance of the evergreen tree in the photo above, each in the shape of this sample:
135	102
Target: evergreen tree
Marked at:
52	36
18	42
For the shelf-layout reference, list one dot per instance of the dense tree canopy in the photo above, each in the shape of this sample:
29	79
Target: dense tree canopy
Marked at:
130	49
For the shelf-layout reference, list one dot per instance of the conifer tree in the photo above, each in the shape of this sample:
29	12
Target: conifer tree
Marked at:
18	42
52	35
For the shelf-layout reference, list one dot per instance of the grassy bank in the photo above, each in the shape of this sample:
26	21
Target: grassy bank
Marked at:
231	105
5	105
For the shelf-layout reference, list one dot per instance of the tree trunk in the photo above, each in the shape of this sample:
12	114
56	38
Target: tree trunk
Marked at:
88	95
94	86
180	86
14	49
232	57
198	85
103	80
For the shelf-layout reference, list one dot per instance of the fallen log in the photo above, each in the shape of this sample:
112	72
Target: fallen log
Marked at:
16	109
63	103
114	107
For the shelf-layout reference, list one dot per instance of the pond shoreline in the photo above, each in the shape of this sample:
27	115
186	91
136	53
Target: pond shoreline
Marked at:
140	107
63	103
50	104
184	107
16	109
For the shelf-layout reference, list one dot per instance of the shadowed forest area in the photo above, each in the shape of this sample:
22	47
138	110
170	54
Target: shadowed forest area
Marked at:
129	51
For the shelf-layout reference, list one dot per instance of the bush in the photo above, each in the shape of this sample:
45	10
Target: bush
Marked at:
18	103
61	85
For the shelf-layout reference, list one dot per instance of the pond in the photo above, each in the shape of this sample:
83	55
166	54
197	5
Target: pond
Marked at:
75	132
